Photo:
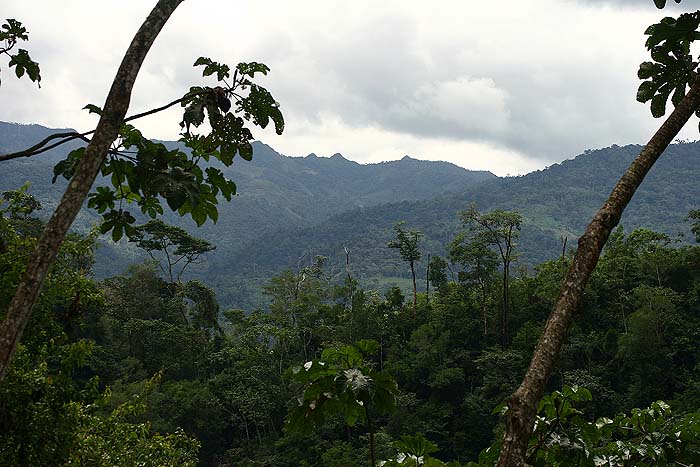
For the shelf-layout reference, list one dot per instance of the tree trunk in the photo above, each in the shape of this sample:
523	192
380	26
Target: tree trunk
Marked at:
427	282
484	307
415	289
115	108
522	406
372	454
506	304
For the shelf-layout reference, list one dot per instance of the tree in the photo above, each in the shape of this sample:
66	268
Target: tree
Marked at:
406	242
480	264
343	383
114	112
174	243
437	274
499	229
297	309
694	216
49	415
672	70
646	437
143	172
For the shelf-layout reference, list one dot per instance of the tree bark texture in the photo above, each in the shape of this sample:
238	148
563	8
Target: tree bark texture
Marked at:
522	406
114	111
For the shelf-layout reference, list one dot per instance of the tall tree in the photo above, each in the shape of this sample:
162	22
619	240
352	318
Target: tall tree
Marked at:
154	173
407	242
498	229
179	248
673	70
107	130
480	265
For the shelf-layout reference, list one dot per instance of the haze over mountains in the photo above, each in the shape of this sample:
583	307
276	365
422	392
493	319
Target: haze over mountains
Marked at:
291	209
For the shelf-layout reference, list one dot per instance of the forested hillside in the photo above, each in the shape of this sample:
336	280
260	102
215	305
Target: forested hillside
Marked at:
555	202
291	209
144	371
276	194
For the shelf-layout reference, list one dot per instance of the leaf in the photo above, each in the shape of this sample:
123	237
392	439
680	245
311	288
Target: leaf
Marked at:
647	70
246	151
249	69
23	63
658	105
66	168
678	94
367	346
211	67
212	212
176	199
93	109
102	199
199	215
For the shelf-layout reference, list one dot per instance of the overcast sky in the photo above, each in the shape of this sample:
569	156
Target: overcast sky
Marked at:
508	86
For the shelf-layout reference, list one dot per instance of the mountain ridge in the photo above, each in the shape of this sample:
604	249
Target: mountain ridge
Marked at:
290	208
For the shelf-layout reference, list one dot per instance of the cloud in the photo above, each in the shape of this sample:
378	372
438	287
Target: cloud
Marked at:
460	109
530	82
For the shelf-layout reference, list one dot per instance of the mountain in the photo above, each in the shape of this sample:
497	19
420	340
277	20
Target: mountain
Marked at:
277	194
557	201
290	209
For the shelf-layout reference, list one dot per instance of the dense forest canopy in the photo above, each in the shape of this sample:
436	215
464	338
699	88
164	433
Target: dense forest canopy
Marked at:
229	378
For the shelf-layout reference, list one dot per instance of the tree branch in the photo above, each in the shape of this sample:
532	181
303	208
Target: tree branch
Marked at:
40	147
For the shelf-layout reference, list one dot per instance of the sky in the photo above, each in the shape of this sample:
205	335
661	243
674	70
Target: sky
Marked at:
508	86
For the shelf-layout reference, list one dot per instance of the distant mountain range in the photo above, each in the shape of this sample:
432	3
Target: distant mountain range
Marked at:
290	209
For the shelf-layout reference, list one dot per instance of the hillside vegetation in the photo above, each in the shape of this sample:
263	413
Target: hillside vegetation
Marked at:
290	209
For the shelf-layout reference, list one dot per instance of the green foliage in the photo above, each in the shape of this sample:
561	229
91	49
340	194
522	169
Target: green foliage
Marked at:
145	173
498	228
634	343
438	272
177	248
479	262
563	436
19	208
415	445
52	411
113	441
415	451
407	242
20	203
662	3
694	215
11	32
343	383
673	68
